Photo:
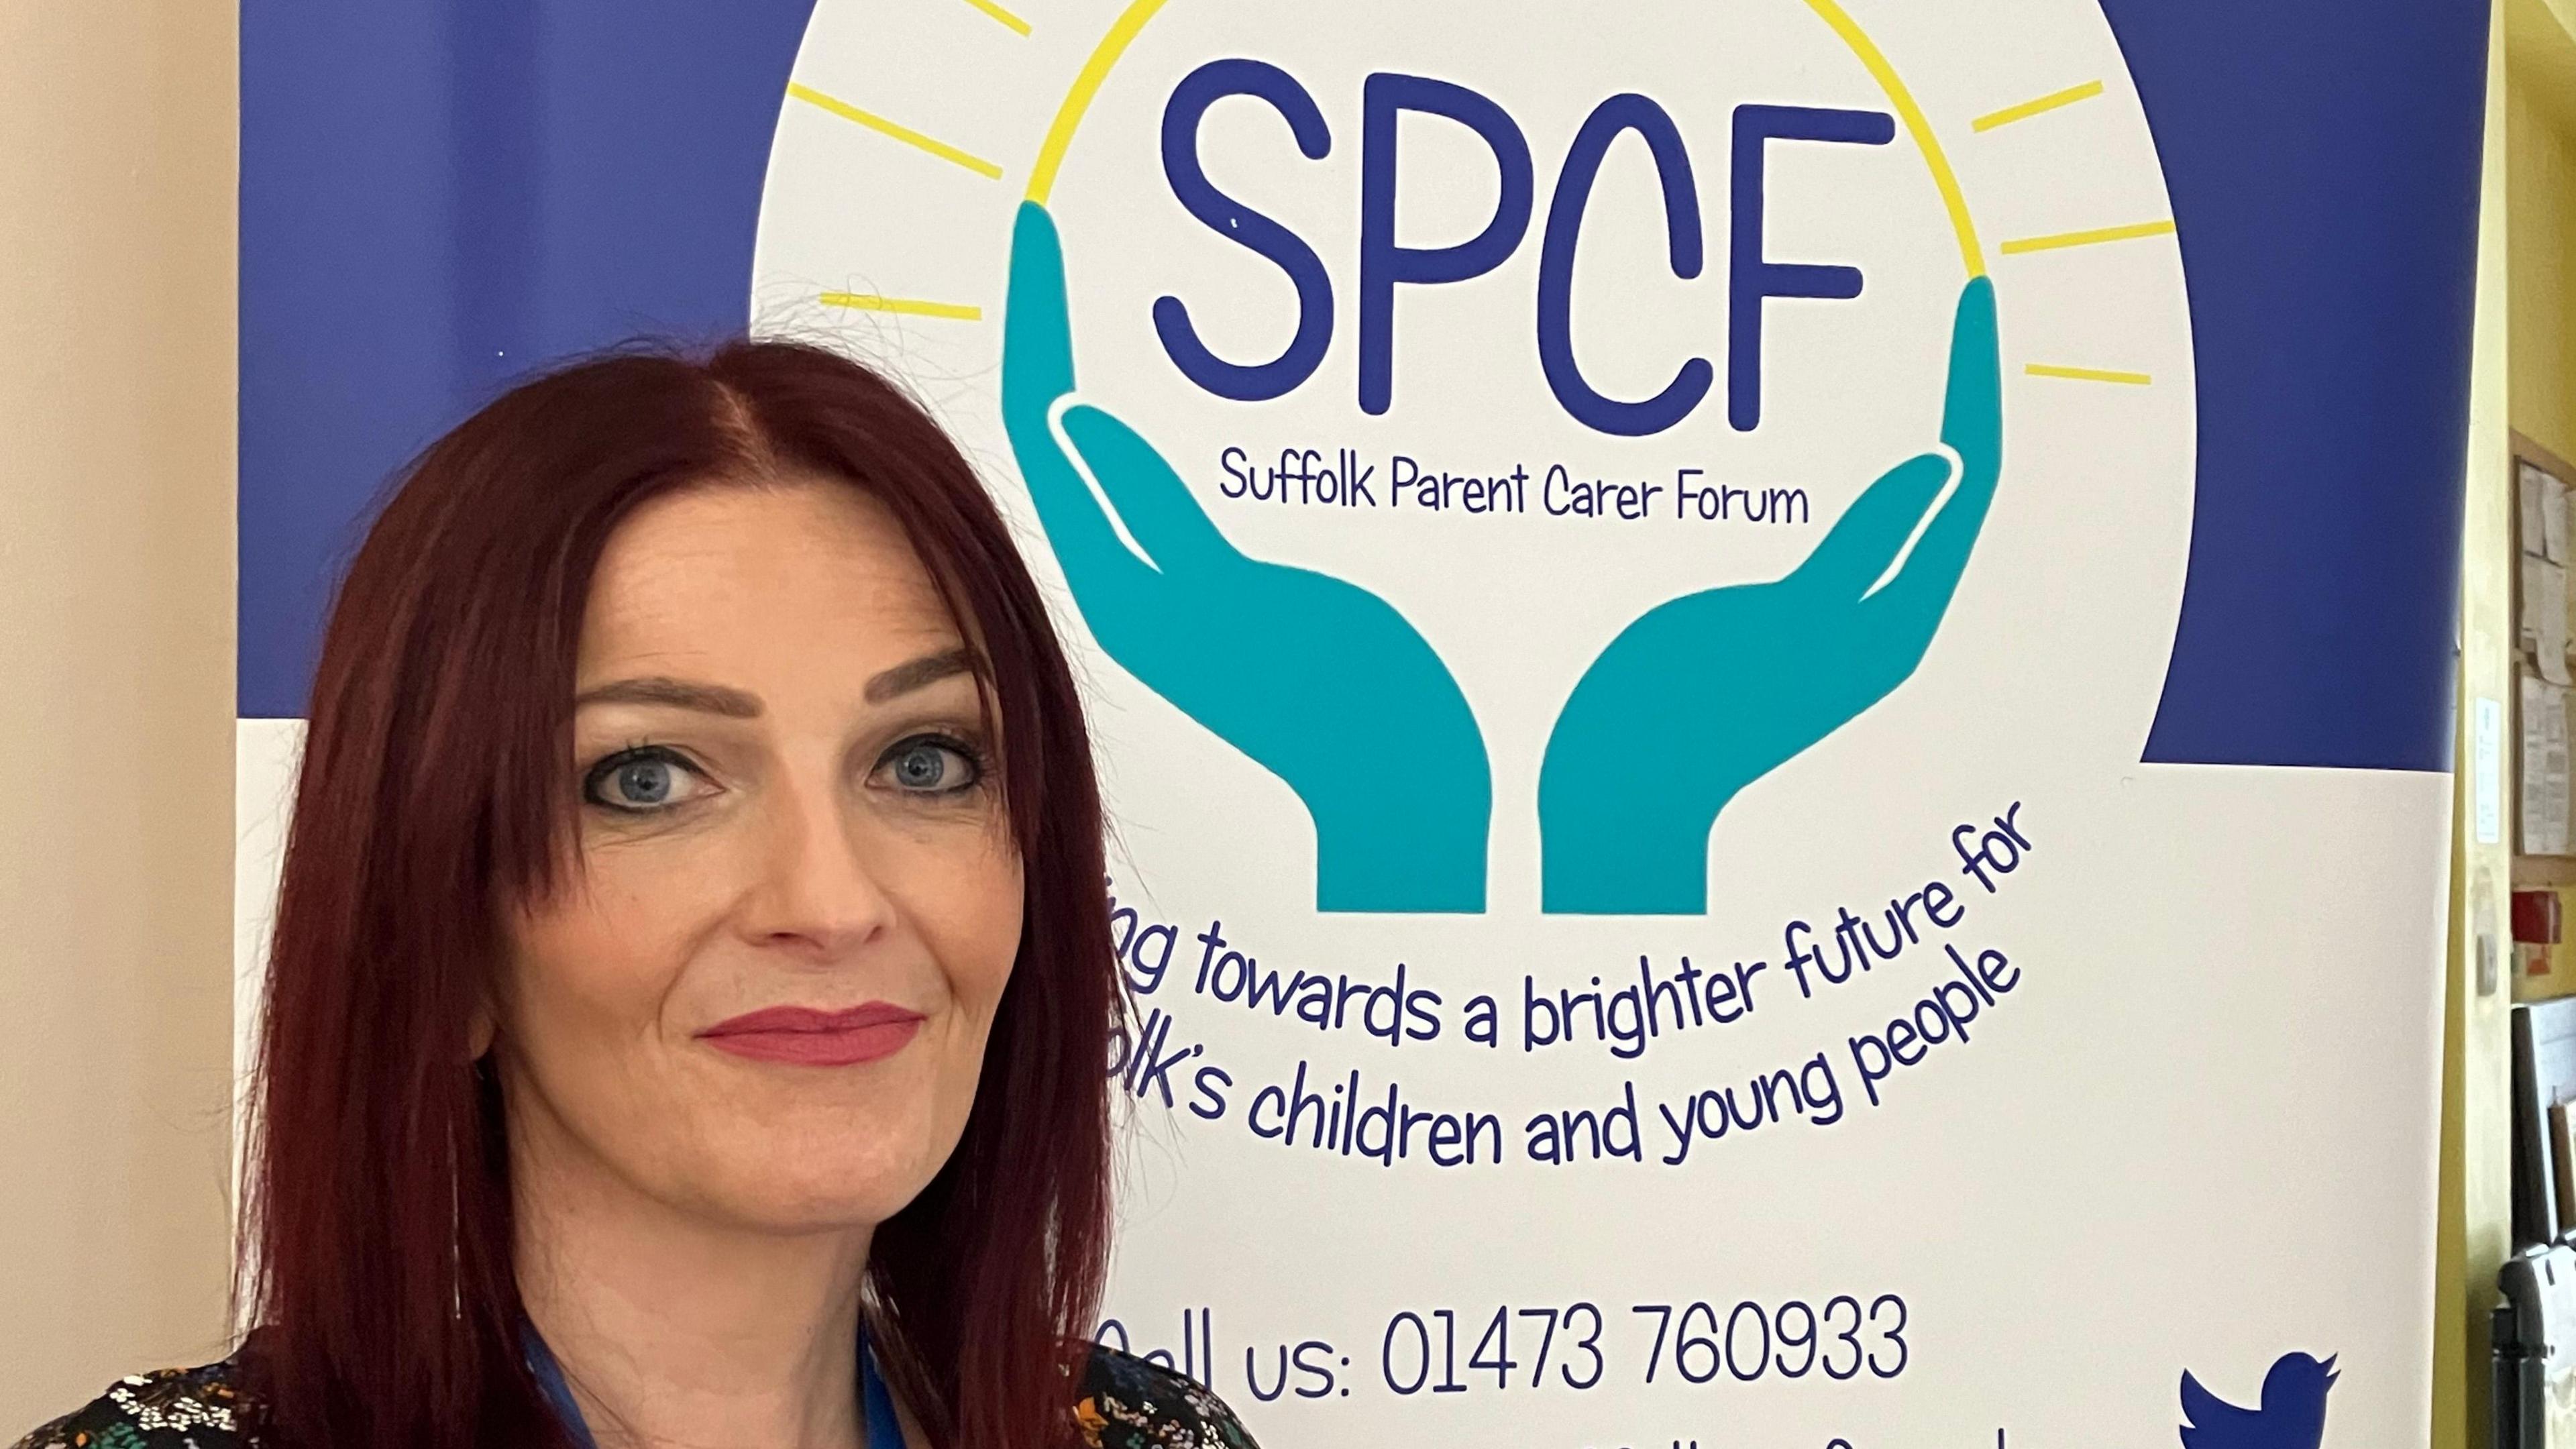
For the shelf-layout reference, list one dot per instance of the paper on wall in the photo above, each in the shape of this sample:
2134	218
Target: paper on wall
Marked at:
2526	617
2553	519
2542	625
2535	529
2552	609
2544	768
2544	617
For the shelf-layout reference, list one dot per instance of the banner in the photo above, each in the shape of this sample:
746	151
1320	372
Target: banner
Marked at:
1775	679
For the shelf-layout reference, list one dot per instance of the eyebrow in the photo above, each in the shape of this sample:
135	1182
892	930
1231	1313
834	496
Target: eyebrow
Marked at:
674	694
919	673
716	699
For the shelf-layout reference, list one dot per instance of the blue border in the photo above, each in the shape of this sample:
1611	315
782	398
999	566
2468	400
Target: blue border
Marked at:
438	196
2323	158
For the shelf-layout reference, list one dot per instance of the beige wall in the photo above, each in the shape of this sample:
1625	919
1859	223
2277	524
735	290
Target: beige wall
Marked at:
117	172
2542	158
2522	379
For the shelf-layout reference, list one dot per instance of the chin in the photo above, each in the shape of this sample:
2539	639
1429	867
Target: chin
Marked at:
795	1188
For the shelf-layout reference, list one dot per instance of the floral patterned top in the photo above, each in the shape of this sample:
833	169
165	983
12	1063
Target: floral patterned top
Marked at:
1126	1403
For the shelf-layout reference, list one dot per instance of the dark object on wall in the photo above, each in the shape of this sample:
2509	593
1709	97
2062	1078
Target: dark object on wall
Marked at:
2544	1074
2535	917
2534	1332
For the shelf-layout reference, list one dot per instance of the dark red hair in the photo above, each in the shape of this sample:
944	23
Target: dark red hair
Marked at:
435	795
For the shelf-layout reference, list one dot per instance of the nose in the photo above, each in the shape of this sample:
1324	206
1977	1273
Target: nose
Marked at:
813	895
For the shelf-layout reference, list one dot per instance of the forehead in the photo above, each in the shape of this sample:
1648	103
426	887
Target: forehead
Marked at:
733	581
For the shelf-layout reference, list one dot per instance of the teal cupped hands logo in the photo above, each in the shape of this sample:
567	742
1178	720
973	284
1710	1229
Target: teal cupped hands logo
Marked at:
1734	682
1294	667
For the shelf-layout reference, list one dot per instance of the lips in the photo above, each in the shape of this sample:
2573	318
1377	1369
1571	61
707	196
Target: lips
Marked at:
803	1036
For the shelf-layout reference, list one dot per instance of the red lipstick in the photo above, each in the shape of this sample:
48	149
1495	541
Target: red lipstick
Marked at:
803	1036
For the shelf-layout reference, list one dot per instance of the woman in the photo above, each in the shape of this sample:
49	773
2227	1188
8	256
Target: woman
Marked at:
692	980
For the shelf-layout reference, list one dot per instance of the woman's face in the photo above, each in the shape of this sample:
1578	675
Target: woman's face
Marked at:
763	997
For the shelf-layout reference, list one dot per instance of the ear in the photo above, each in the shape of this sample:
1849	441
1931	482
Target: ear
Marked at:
480	1029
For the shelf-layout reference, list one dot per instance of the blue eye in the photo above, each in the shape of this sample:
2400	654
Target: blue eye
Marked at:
643	781
929	765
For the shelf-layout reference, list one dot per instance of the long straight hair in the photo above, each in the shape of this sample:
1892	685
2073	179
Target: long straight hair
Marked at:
435	795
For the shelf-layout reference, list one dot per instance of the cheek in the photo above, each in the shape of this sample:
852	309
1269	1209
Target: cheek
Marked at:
966	900
599	959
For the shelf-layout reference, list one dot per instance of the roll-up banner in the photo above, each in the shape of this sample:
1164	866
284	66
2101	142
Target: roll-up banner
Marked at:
1775	677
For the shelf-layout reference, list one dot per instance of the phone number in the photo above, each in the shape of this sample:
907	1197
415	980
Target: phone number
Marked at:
1696	1343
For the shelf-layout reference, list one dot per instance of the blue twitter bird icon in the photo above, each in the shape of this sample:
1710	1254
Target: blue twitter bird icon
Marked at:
2293	1415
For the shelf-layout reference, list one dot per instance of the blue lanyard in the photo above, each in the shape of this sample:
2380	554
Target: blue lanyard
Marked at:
550	1382
884	1430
